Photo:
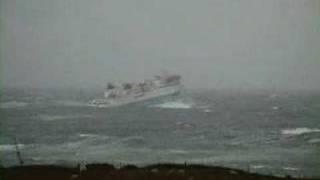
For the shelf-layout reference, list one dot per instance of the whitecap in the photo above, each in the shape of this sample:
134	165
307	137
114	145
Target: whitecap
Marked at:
299	131
258	166
37	158
290	168
174	105
89	138
10	147
13	104
98	106
88	135
46	117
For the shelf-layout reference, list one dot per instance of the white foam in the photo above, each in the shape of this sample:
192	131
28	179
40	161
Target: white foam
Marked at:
88	135
290	168
174	105
13	104
46	117
97	106
258	166
10	147
299	131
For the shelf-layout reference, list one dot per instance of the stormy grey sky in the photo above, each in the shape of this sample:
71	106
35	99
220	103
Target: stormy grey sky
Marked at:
211	43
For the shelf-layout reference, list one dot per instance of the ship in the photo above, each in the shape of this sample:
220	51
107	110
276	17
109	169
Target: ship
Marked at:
128	93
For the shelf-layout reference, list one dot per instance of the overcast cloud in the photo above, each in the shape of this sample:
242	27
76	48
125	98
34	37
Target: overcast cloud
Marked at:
211	43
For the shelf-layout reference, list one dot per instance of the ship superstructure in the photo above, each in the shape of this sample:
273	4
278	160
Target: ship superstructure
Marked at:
160	85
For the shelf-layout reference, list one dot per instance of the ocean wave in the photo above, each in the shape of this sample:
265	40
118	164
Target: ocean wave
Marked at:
97	105
299	131
174	105
207	110
72	103
203	107
10	147
46	117
178	151
185	125
130	139
51	117
13	104
314	141
88	138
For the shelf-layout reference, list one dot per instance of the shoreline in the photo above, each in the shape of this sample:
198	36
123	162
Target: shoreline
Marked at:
165	171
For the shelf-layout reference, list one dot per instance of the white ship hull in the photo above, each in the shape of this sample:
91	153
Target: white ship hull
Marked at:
134	98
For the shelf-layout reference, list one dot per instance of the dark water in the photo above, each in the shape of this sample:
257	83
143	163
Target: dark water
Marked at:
267	132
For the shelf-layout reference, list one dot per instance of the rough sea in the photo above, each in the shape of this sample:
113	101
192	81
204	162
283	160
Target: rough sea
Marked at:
268	132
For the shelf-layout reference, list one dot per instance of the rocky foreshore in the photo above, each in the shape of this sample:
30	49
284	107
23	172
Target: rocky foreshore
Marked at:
131	172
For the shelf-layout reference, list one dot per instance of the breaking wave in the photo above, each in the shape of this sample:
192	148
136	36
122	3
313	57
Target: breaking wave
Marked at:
13	104
299	131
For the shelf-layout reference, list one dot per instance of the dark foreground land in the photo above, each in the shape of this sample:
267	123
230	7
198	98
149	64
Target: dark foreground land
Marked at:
130	172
